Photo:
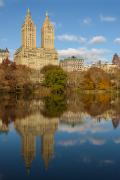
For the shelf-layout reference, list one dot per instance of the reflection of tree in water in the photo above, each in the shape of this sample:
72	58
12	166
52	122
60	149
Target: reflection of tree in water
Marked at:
54	105
93	104
79	104
96	104
12	107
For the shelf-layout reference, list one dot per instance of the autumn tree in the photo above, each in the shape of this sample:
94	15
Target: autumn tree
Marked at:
96	79
13	76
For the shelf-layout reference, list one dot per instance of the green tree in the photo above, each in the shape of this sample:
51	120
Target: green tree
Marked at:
55	78
47	68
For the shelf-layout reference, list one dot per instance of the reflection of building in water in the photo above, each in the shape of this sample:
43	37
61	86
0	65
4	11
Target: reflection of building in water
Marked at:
3	127
77	117
110	115
47	147
107	114
29	128
116	121
28	151
72	118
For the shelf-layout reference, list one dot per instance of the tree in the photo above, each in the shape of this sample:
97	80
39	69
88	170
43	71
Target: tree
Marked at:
13	76
55	78
47	68
116	78
96	79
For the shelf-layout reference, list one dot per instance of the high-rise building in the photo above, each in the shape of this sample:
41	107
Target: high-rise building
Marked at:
28	54
47	34
28	32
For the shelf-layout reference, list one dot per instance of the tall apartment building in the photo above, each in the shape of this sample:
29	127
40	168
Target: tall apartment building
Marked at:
28	54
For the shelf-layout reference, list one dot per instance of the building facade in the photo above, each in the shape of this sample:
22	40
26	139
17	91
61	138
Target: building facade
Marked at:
107	67
72	64
116	60
28	54
4	54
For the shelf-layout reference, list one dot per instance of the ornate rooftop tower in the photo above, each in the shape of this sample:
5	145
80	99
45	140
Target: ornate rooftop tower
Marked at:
28	32
47	34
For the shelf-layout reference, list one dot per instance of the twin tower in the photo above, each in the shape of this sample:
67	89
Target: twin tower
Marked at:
28	54
29	33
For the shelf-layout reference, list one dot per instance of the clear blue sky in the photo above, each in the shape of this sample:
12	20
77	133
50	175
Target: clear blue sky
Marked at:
87	28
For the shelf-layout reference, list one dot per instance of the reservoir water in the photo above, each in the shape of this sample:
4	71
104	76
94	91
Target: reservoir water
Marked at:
57	137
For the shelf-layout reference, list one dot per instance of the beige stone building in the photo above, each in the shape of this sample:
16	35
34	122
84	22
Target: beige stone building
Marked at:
28	54
4	54
107	67
72	64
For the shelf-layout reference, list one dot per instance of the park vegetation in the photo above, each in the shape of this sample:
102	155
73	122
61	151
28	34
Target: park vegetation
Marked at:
19	78
95	79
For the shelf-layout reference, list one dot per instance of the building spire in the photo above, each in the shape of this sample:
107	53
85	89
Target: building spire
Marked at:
28	31
28	11
46	14
47	32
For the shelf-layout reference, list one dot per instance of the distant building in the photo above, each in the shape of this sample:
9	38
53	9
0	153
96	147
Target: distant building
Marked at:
4	54
107	67
116	60
72	64
86	67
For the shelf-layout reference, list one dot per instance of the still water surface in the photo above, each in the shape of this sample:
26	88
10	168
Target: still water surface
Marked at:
77	137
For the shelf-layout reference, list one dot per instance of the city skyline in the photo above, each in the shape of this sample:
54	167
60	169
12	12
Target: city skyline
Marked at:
92	32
